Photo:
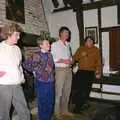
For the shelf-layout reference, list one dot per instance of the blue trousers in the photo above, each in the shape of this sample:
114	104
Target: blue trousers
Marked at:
45	95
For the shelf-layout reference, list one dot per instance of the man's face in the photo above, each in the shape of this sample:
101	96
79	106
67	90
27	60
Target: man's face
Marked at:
64	35
14	37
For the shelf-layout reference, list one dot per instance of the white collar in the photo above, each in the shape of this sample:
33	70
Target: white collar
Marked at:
66	43
44	51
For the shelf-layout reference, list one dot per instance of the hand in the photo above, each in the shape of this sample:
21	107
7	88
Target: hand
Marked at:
48	69
84	54
65	61
2	73
97	76
60	61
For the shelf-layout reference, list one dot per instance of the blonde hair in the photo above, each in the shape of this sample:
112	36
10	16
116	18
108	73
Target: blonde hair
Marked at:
8	30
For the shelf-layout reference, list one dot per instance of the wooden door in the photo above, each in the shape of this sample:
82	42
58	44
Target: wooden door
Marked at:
114	36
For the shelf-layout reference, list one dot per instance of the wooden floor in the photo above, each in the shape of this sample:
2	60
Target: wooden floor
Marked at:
85	115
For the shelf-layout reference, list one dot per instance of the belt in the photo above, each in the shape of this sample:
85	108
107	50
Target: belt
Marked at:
63	68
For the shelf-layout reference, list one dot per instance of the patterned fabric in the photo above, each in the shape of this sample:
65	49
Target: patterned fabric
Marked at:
42	65
45	99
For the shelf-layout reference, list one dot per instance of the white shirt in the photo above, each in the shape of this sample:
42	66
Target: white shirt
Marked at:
60	51
10	62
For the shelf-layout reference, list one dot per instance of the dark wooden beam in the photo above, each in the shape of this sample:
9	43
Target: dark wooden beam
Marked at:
99	4
94	5
92	1
118	13
107	29
62	9
99	30
100	39
55	3
80	24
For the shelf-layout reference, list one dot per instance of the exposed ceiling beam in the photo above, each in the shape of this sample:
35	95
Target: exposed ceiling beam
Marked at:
94	5
99	4
55	3
92	1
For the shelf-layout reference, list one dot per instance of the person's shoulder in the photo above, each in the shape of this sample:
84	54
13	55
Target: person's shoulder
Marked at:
55	43
49	54
96	48
68	43
37	52
82	47
2	43
16	47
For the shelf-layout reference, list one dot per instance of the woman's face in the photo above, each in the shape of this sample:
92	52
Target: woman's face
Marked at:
45	46
89	43
14	37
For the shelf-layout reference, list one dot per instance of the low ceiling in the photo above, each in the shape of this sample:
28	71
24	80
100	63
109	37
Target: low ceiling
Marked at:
88	1
61	2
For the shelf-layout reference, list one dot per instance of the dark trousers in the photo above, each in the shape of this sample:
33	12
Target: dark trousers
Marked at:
45	96
81	87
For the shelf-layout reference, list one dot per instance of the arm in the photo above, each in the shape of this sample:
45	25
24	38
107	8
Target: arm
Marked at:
53	52
80	54
21	72
2	73
65	61
32	63
68	61
76	55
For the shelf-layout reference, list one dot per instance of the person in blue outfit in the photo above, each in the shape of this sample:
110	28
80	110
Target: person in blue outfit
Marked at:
42	65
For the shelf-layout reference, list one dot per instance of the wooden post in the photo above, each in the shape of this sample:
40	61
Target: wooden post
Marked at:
118	12
80	24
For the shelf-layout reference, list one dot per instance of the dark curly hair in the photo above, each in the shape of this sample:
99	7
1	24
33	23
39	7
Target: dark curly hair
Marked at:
89	37
63	28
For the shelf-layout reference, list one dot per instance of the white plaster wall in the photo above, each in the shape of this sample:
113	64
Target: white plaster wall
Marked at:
109	16
105	49
90	18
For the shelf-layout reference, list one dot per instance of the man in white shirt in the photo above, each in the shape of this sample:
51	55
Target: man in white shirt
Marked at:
11	74
62	56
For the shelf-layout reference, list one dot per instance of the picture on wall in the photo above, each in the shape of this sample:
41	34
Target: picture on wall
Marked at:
15	10
92	31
